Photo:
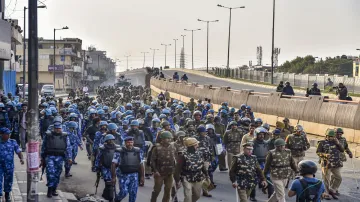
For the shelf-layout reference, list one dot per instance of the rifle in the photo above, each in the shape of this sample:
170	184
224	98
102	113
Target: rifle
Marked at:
98	175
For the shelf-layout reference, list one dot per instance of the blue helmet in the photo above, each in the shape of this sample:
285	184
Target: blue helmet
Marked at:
245	119
5	131
112	126
128	117
72	124
260	130
208	105
10	103
165	111
155	120
258	120
153	103
94	102
52	103
73	115
199	105
18	106
109	137
162	116
125	122
103	123
277	132
58	119
179	107
232	110
201	129
113	114
43	105
71	110
146	107
248	107
175	101
128	112
105	108
187	112
53	110
243	106
67	103
134	123
57	126
101	112
223	111
211	111
129	105
47	112
226	104
92	111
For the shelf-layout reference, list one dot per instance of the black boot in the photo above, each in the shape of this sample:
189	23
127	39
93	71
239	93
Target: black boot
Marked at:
7	197
54	193
49	193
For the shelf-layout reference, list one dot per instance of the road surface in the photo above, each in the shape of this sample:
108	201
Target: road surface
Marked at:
83	179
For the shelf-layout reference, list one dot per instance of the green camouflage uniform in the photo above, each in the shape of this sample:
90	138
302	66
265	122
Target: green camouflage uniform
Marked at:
232	140
298	144
280	163
329	147
345	145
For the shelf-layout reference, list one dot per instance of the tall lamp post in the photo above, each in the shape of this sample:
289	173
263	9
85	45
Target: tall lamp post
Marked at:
127	62
54	63
207	42
166	45
228	55
153	49
144	58
175	50
24	50
192	44
272	44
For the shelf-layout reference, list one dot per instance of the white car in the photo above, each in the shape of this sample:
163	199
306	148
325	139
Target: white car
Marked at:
47	90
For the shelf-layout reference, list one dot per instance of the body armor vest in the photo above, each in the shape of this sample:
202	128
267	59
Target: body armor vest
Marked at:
130	160
56	144
193	166
261	149
165	159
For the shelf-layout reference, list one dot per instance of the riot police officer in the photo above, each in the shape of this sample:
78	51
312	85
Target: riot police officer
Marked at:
232	141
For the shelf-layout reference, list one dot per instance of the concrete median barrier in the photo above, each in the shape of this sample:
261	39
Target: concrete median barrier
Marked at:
315	115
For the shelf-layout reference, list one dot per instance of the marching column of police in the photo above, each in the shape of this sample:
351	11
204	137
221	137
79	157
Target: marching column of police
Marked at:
131	137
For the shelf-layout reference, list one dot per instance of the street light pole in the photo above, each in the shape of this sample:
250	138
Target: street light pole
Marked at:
192	44
153	49
207	42
54	63
175	51
166	45
272	45
183	36
127	62
228	55
144	58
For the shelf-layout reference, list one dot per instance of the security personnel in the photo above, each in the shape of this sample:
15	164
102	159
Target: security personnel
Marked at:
55	149
75	142
261	149
220	129
275	135
245	172
279	163
232	141
308	188
313	91
191	105
216	149
163	161
249	137
343	142
7	148
287	130
89	135
191	170
139	137
112	128
103	164
204	148
197	118
329	151
298	144
154	129
126	163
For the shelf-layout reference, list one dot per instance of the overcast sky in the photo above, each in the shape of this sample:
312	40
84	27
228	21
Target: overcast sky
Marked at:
317	27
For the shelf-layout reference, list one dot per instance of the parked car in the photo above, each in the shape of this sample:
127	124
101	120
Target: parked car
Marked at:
47	90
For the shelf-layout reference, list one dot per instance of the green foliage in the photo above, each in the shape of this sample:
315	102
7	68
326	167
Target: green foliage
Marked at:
339	65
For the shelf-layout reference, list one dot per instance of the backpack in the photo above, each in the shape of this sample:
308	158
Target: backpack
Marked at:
310	191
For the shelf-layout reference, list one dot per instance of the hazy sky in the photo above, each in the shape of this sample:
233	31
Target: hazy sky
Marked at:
318	27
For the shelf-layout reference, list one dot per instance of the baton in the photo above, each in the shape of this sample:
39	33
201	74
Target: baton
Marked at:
357	184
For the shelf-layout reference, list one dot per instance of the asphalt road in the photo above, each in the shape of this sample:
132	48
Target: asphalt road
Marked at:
220	82
83	180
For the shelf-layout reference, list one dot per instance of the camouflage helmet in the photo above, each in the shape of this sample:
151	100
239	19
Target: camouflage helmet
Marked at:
190	122
165	123
166	134
197	113
330	133
181	134
299	128
340	130
233	123
279	142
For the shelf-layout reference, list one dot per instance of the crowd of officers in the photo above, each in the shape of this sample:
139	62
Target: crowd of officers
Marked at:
176	143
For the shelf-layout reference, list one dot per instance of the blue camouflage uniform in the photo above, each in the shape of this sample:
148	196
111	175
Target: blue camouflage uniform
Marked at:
75	143
128	183
7	149
97	139
154	132
54	163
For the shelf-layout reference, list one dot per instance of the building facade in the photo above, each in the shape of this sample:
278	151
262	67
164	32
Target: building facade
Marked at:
69	62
